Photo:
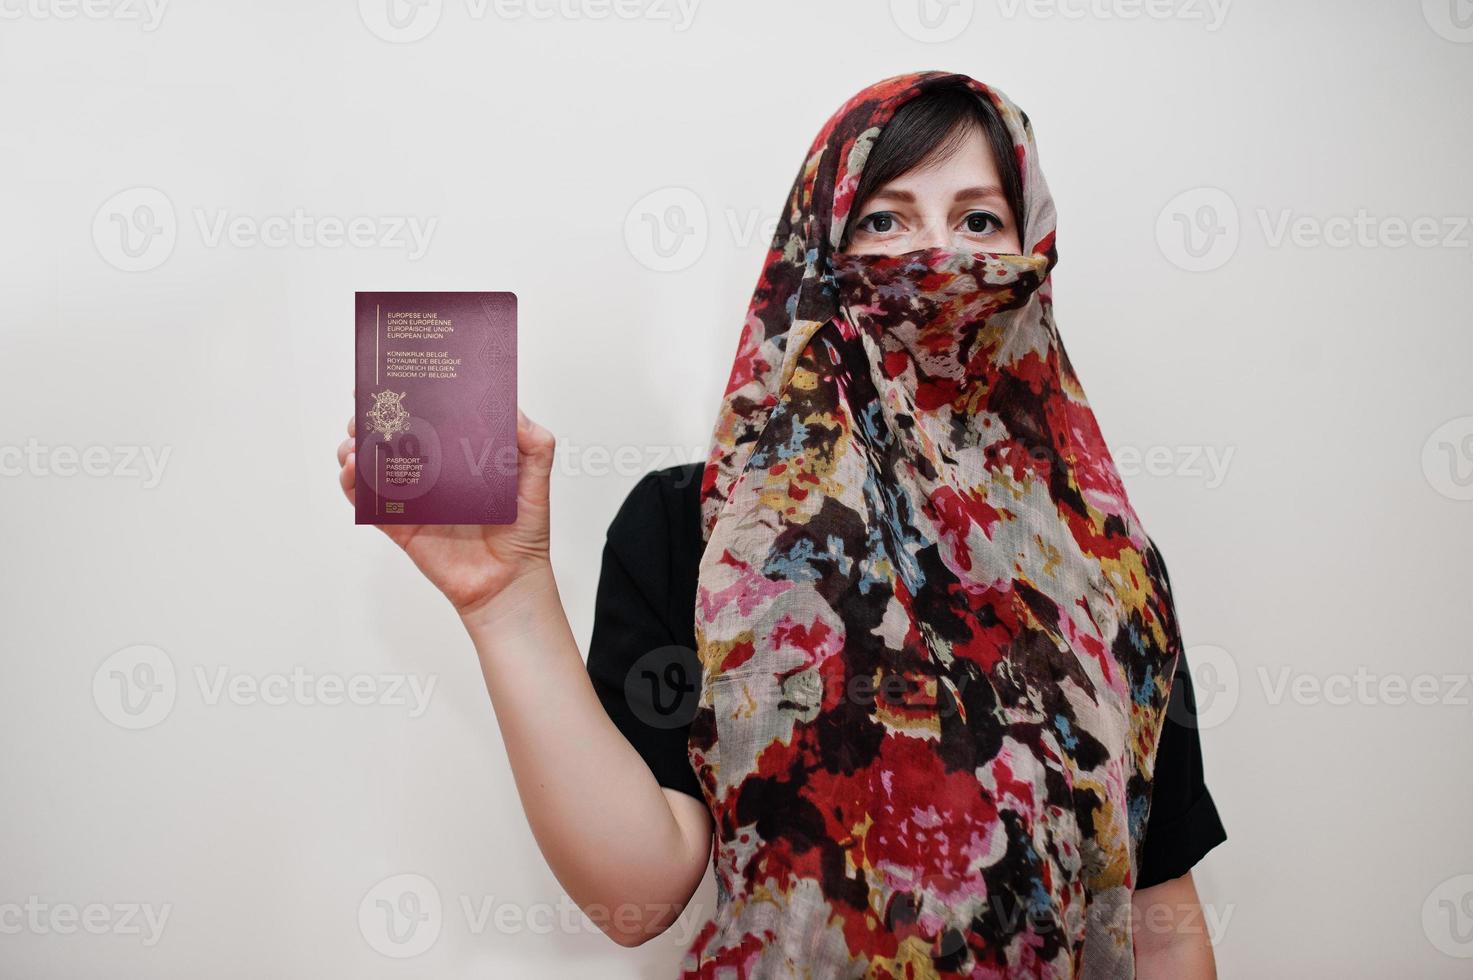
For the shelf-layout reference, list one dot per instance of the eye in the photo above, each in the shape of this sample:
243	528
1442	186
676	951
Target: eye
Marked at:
981	222
879	222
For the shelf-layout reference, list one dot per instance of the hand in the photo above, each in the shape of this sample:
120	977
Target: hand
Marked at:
473	564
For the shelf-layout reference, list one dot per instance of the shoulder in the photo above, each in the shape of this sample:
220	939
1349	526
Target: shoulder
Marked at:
662	504
656	537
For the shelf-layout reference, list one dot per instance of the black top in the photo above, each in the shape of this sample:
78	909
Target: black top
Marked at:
643	664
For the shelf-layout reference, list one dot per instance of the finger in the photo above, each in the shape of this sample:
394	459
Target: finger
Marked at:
535	451
400	534
533	440
353	426
348	476
344	448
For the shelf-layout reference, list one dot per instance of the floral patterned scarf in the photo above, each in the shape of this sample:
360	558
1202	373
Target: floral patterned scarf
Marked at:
936	642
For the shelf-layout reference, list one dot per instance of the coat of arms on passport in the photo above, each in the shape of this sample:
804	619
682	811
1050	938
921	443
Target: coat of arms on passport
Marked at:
388	415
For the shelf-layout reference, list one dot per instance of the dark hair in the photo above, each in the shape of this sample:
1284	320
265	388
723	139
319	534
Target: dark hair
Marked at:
937	122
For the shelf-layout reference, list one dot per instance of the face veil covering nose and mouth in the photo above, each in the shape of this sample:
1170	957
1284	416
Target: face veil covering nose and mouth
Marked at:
936	642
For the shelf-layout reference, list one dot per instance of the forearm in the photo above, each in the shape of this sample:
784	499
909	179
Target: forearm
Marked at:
603	823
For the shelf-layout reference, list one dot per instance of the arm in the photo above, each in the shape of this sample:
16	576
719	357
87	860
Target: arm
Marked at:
1171	935
1170	932
627	851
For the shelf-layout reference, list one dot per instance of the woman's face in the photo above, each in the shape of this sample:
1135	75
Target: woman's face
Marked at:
954	201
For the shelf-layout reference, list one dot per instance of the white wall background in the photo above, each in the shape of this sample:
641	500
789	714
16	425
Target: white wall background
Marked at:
1335	380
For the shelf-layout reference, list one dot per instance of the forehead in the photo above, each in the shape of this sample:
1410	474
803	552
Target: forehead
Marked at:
968	167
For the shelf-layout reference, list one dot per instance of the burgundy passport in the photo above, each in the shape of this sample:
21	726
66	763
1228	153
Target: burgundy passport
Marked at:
437	408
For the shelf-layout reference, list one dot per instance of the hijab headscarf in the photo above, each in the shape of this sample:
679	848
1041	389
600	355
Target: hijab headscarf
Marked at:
936	642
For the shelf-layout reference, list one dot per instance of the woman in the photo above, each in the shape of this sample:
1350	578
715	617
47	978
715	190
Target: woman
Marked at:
904	649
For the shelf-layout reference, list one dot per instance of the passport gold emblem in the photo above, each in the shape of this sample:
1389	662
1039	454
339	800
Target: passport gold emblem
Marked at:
388	414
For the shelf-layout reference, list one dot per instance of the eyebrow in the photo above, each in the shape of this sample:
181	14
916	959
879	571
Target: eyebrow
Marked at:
982	190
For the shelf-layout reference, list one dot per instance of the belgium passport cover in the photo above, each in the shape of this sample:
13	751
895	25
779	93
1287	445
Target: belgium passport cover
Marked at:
436	408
